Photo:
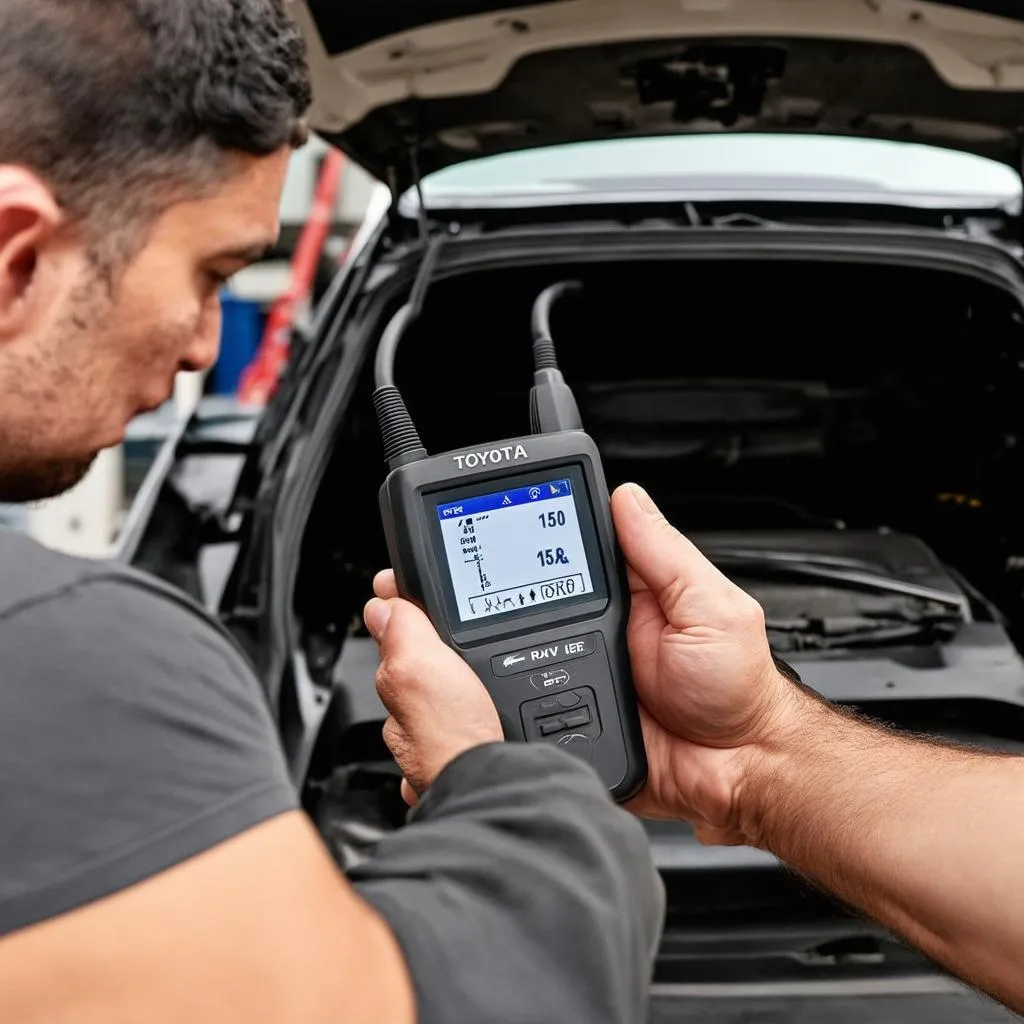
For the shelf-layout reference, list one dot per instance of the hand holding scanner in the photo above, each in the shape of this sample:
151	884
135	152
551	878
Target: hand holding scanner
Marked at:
510	549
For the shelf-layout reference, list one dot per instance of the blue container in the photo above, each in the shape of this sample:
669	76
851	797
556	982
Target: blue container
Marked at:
241	333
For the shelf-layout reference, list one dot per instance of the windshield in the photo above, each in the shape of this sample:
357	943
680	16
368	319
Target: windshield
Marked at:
724	166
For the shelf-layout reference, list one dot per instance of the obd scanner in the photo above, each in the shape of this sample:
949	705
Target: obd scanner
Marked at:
509	548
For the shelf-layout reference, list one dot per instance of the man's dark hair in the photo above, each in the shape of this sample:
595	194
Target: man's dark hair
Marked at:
116	102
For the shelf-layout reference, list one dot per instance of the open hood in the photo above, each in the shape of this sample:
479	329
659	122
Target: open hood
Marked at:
401	84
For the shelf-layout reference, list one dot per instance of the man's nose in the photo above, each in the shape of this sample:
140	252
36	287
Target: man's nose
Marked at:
205	347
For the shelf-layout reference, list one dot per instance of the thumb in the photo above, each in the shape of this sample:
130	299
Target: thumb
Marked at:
417	659
663	559
400	628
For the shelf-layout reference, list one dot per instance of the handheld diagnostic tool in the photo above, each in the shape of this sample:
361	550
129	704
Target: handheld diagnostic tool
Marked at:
509	548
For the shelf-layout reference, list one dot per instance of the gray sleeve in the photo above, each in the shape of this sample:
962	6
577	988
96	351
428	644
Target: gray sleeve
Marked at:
133	736
520	893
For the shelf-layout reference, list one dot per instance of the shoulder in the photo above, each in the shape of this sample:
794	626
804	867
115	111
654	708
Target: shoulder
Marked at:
133	733
29	572
78	606
97	639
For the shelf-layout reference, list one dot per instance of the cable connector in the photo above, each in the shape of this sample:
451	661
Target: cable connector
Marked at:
553	406
402	442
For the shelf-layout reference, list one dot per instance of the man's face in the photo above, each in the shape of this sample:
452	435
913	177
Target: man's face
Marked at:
85	351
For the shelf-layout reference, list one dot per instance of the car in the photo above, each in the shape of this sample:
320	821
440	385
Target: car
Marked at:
797	230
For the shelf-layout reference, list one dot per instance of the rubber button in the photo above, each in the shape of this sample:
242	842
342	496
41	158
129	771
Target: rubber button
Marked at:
566	700
551	725
581	717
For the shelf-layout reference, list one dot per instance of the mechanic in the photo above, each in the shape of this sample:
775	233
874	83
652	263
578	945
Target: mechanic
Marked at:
154	864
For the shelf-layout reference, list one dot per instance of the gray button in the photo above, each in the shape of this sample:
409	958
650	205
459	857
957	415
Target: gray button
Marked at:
567	700
543	655
549	725
581	717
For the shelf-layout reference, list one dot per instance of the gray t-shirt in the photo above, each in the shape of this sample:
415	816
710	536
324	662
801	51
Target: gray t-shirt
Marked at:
133	736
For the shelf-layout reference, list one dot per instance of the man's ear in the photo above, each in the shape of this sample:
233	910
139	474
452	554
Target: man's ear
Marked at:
29	216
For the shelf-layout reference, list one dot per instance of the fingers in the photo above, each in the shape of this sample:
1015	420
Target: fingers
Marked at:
438	706
377	615
636	583
660	557
384	585
417	668
409	794
413	658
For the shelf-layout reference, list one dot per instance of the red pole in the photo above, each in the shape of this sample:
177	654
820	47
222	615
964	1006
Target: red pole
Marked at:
261	377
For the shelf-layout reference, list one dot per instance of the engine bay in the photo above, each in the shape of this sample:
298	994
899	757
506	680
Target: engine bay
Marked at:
796	419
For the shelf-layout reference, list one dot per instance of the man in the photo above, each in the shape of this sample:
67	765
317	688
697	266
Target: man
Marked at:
154	865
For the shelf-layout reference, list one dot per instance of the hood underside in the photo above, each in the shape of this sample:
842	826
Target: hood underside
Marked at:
399	84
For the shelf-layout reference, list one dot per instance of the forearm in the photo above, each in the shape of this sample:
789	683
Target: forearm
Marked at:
925	838
520	893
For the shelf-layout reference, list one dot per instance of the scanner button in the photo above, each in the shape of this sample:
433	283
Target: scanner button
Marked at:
543	655
552	679
581	717
553	718
552	725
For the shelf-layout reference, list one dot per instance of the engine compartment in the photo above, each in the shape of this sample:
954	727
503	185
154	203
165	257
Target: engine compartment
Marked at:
853	412
864	416
800	396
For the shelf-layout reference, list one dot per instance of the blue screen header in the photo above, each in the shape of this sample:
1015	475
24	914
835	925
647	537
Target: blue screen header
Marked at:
531	495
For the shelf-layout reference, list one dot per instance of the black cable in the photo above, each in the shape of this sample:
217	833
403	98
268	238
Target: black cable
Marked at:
544	356
402	442
552	404
384	366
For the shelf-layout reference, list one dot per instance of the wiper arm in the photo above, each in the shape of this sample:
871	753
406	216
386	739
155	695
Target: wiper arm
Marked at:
827	632
835	571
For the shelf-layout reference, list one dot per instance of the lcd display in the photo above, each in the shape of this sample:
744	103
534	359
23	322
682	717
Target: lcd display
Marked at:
515	550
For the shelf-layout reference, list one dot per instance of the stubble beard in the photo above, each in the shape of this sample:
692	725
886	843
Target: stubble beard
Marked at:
35	396
27	482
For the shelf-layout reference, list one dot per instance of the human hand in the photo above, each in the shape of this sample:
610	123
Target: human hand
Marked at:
438	707
713	702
